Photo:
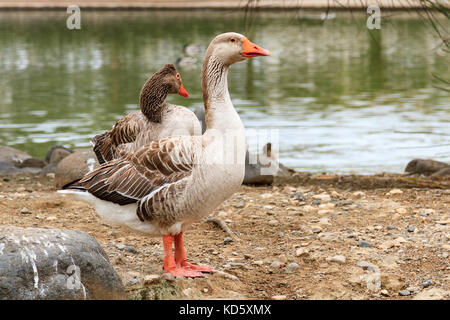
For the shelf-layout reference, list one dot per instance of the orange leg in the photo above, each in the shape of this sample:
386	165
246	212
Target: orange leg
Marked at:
180	256
169	261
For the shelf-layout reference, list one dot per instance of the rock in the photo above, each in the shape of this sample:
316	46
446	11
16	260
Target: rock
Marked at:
401	210
227	240
240	204
131	249
151	279
411	228
119	246
359	194
55	264
8	168
31	163
56	153
274	222
384	292
299	196
394	191
25	211
427	283
292	267
12	156
339	259
391	283
404	293
276	264
325	197
432	294
302	252
442	173
280	297
366	265
424	166
75	166
364	244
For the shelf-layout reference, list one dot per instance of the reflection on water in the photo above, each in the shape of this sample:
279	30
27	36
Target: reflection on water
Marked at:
341	98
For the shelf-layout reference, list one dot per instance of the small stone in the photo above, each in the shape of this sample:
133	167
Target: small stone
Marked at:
292	267
315	202
301	252
266	195
443	222
401	211
258	262
339	259
327	206
299	196
394	191
427	283
404	293
50	175
131	249
276	264
151	279
359	194
25	211
390	227
168	276
316	230
240	204
322	197
364	264
280	297
384	292
274	222
51	218
227	240
119	246
364	244
411	228
20	189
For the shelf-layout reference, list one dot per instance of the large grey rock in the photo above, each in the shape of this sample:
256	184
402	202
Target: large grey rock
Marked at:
55	264
75	166
12	156
424	166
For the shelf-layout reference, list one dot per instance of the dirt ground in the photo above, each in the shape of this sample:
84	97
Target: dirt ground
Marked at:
303	240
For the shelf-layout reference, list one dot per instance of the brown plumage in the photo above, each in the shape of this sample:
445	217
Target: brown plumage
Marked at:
157	118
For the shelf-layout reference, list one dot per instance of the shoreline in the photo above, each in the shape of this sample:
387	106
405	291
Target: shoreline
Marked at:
264	5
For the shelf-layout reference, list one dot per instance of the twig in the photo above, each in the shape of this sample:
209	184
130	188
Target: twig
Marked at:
222	225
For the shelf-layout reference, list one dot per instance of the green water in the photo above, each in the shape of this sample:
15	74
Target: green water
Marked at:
342	98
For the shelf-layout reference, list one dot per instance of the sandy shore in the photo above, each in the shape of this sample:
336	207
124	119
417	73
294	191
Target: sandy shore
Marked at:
208	4
320	237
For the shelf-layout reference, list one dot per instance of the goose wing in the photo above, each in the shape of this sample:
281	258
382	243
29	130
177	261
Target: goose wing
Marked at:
124	131
150	175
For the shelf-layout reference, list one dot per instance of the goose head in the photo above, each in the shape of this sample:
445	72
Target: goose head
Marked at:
169	79
232	47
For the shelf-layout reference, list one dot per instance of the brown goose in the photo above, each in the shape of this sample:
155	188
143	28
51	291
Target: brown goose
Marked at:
165	186
157	118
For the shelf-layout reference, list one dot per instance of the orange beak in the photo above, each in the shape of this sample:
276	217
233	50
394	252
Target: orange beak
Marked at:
252	50
183	92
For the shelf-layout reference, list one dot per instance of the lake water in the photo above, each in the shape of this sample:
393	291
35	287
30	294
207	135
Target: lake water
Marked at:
342	98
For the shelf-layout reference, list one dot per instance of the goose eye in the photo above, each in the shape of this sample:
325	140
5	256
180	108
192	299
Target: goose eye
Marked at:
232	40
178	76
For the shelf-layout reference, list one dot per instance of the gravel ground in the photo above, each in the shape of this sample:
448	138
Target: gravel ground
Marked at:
294	241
